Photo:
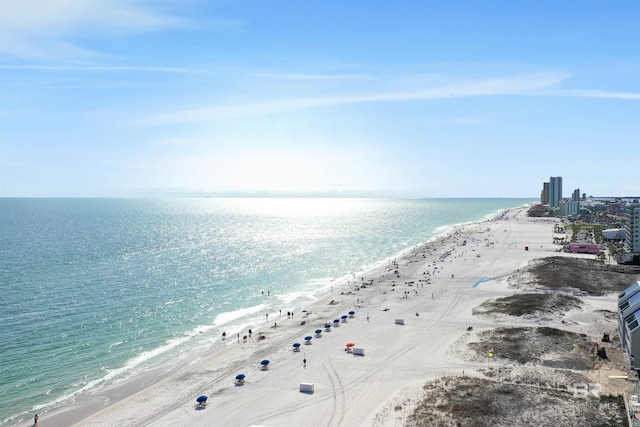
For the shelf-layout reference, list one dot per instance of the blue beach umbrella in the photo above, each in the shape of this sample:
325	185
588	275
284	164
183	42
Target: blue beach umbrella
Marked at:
318	331
240	376
351	313
202	399
336	321
308	339
265	362
344	318
296	344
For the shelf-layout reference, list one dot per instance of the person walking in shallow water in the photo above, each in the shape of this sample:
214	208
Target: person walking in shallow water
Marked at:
35	420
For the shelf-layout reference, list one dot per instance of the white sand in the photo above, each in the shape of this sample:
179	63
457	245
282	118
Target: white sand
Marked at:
349	390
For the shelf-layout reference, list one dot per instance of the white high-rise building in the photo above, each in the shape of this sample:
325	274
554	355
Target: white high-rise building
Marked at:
569	207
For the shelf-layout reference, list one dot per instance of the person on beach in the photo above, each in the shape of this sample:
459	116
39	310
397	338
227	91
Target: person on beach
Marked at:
304	363
35	420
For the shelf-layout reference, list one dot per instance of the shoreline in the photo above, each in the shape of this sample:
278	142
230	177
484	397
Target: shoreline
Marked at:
100	407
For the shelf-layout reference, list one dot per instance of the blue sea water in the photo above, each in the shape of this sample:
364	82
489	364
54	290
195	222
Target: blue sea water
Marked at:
96	290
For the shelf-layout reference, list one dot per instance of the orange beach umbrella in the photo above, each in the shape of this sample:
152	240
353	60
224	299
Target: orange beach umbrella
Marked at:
350	344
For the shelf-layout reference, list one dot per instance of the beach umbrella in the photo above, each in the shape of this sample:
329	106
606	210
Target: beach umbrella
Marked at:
351	313
240	377
344	317
308	339
318	331
265	362
350	344
296	344
202	399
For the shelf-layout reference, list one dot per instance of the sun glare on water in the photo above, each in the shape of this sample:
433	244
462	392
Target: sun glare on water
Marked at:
303	207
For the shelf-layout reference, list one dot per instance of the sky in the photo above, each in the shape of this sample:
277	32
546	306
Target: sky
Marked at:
369	98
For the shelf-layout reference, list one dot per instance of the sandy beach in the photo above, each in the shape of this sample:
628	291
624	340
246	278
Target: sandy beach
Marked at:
411	325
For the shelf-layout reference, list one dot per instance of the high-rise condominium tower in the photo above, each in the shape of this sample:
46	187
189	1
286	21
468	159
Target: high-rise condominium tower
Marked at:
555	191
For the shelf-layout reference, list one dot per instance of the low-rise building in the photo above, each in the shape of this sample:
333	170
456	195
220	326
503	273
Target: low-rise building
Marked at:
584	248
614	233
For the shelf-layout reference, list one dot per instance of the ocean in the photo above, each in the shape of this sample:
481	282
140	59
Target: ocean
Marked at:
94	291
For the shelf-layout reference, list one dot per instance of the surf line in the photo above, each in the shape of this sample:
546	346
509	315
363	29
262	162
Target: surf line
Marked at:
482	279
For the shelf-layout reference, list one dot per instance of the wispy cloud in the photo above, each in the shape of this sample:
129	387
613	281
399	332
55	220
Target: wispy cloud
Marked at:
519	85
44	29
179	141
525	85
223	71
464	121
597	94
309	76
100	68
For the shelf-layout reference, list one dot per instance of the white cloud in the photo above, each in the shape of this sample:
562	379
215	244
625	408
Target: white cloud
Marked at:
43	29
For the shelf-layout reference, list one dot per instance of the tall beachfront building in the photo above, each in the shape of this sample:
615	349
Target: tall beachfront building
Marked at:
632	228
555	191
544	194
576	195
